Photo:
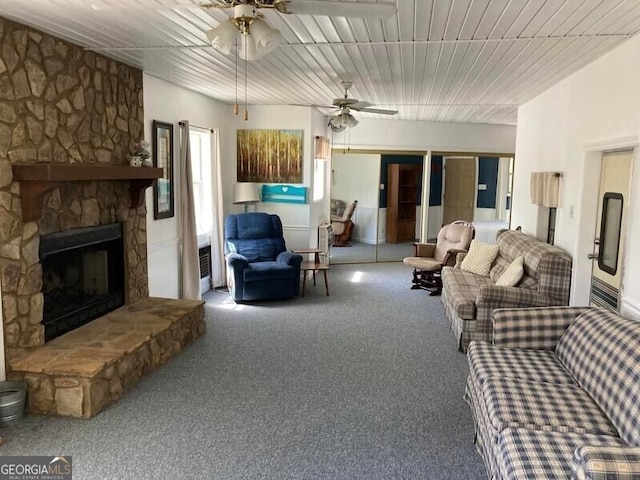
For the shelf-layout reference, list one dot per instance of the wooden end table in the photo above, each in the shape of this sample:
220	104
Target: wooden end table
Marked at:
312	266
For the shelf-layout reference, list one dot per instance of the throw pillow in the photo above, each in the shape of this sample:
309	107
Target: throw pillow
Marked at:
513	274
480	258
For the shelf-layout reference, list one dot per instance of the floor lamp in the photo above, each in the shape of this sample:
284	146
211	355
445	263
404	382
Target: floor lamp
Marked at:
245	193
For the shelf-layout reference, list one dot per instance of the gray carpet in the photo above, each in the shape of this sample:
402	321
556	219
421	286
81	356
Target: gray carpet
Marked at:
364	384
368	253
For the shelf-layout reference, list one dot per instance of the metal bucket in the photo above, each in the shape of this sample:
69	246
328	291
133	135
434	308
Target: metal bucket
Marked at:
12	400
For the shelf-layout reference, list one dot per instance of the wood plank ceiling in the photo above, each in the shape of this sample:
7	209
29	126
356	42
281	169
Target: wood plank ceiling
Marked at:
435	60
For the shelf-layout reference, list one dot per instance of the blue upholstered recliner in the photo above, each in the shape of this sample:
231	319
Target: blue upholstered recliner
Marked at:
258	264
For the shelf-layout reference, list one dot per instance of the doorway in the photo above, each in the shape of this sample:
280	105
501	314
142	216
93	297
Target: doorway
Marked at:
459	189
610	232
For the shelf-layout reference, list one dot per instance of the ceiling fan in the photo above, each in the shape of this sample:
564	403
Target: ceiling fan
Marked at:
345	104
258	38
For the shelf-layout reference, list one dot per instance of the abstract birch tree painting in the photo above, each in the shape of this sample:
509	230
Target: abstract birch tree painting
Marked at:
270	156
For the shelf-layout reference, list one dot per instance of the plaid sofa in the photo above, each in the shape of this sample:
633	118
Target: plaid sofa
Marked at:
469	299
557	395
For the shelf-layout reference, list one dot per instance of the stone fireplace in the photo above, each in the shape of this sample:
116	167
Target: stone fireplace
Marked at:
62	106
82	276
73	237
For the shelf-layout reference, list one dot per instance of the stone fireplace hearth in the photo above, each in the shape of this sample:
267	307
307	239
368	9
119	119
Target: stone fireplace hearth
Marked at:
84	371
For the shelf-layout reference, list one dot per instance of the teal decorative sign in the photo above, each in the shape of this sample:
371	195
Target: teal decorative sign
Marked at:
284	194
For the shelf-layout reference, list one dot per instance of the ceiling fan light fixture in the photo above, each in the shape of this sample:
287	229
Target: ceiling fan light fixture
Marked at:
266	38
247	49
342	121
223	37
336	126
256	40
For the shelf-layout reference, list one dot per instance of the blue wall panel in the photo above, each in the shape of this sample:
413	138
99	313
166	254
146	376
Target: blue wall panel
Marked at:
435	190
488	175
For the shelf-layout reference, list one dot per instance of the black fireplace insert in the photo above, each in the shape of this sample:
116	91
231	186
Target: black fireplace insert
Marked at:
82	276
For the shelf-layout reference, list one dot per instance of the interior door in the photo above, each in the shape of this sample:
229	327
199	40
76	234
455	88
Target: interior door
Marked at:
609	237
459	189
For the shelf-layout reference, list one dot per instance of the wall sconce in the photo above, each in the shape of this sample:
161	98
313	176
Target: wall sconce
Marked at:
245	194
321	148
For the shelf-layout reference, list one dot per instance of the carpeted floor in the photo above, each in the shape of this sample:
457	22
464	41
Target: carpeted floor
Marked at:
364	384
368	253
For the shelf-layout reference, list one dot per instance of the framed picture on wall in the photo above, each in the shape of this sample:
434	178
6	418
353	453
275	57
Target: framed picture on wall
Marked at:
163	200
270	156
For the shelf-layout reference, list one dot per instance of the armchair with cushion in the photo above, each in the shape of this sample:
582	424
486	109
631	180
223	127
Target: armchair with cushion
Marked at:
342	226
429	258
259	267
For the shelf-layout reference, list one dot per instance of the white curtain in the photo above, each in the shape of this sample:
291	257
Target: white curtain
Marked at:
218	272
190	284
544	188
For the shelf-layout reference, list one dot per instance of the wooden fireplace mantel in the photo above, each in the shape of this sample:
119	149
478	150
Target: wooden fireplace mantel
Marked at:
38	179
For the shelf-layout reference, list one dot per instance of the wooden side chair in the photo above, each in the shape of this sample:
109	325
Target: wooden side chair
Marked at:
429	258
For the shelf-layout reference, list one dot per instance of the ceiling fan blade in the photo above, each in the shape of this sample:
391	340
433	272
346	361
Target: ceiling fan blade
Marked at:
360	104
345	102
376	110
180	6
340	9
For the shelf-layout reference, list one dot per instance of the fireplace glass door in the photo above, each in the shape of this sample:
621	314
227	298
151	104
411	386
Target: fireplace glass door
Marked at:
83	276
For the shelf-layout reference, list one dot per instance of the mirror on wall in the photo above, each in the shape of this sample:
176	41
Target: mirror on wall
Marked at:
476	188
400	203
386	220
355	177
388	188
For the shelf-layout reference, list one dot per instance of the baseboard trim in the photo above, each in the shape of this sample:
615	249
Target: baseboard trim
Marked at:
297	228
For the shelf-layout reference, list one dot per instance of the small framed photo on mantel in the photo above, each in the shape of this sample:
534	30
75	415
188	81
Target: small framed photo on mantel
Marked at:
163	200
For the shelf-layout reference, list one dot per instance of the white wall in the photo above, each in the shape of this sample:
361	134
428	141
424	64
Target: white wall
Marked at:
565	129
169	103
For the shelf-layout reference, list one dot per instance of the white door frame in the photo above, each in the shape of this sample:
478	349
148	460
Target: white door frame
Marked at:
588	213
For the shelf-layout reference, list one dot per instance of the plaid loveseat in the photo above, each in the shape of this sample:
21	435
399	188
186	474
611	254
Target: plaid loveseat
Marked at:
469	299
557	395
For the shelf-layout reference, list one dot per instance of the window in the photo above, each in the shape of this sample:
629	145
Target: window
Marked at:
551	226
321	154
319	175
610	228
200	143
